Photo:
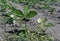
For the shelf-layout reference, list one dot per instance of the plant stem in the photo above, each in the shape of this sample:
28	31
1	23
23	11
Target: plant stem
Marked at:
20	24
25	24
25	27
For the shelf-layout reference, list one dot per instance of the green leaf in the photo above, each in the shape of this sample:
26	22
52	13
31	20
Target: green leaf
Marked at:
31	14
2	1
52	10
46	6
9	20
49	25
26	10
21	34
16	0
17	12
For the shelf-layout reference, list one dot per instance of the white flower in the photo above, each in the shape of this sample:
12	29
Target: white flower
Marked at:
11	15
39	20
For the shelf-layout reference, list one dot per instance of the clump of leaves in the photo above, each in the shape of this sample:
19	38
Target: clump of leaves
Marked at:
39	34
7	19
36	35
26	15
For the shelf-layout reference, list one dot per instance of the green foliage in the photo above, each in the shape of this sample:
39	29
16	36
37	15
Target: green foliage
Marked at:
31	14
8	9
26	10
26	14
49	25
2	1
38	35
22	35
46	6
8	20
17	12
